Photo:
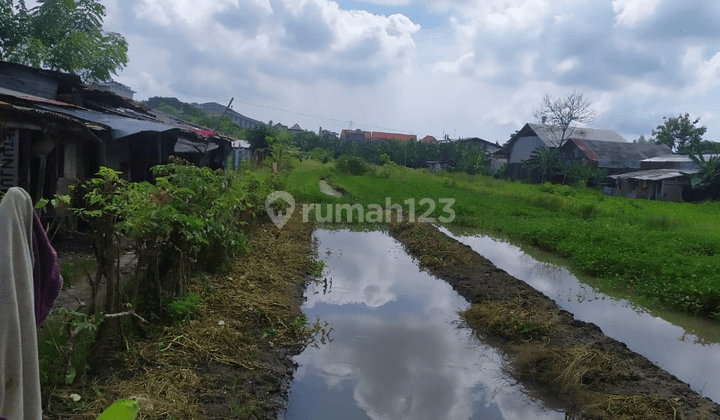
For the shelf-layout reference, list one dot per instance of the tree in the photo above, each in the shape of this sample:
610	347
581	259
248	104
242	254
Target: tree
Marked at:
258	136
564	113
680	134
63	35
543	164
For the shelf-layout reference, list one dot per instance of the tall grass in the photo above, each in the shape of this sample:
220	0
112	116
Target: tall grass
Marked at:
667	253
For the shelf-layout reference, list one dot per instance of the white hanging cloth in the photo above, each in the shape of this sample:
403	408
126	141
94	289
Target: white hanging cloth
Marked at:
20	396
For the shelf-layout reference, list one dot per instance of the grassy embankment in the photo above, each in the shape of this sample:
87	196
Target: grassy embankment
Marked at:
660	252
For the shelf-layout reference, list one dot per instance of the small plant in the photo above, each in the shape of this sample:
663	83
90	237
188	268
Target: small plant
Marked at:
64	343
269	332
185	307
316	267
300	325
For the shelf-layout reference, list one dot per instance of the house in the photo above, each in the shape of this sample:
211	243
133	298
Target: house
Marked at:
615	157
531	136
490	147
56	130
654	184
295	128
428	139
44	151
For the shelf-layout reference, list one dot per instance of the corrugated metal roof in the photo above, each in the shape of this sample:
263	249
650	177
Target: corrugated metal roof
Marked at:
33	98
119	125
616	154
654	174
183	145
676	158
550	135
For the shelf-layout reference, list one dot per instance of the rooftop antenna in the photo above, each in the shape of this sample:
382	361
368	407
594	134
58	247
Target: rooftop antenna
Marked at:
351	124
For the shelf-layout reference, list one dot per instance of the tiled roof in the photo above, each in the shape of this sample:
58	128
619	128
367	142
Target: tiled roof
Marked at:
378	135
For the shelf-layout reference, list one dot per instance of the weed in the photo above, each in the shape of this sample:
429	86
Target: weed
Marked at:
185	307
269	332
242	411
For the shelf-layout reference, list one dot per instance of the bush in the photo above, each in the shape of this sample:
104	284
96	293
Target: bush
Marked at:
185	307
352	165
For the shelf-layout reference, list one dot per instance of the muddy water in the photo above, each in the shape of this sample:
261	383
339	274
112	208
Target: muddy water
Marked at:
395	350
691	353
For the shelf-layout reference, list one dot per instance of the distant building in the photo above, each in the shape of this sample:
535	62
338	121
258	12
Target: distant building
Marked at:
654	184
428	139
358	135
482	144
216	109
375	136
532	136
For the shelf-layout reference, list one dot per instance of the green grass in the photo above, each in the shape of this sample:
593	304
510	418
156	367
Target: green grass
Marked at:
667	253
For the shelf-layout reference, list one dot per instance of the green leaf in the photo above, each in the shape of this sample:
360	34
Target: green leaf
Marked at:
70	375
41	203
121	410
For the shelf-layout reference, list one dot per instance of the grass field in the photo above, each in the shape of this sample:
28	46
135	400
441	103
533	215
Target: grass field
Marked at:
665	253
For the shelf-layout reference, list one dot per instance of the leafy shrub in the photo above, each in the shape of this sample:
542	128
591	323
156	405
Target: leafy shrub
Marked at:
352	165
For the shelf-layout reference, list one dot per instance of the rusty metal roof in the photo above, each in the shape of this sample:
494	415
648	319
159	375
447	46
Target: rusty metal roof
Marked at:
618	155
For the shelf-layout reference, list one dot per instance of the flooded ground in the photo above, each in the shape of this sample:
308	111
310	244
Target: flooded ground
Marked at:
395	350
690	353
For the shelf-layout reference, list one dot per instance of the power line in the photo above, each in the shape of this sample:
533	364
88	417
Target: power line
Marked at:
328	118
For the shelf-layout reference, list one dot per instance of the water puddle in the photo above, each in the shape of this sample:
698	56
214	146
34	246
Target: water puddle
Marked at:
325	188
693	358
395	350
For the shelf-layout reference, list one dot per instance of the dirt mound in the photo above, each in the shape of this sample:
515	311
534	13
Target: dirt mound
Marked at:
596	377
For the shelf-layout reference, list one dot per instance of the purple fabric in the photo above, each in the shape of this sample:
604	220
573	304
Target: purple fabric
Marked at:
46	273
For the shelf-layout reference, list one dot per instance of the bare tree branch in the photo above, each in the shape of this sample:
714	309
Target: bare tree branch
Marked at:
562	113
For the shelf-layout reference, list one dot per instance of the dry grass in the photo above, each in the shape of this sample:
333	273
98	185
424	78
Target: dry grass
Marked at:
513	320
162	392
436	249
580	375
244	315
636	407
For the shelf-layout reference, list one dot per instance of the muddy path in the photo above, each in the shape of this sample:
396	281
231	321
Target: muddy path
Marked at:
596	377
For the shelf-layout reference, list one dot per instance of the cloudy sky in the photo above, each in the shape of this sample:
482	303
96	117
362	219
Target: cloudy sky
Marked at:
457	67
